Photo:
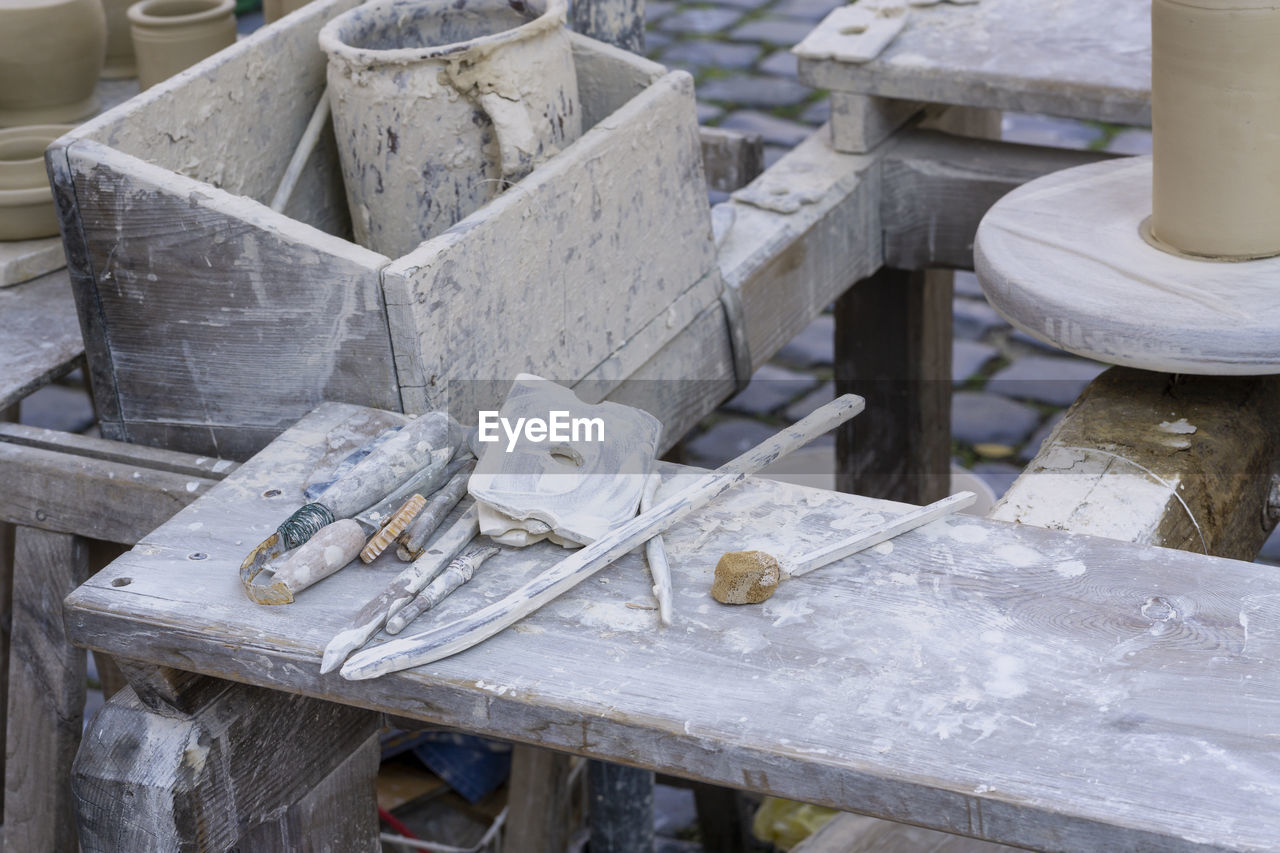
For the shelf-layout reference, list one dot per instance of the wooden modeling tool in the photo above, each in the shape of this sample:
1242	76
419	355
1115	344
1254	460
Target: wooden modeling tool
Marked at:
750	577
401	590
458	572
413	541
449	639
655	553
414	456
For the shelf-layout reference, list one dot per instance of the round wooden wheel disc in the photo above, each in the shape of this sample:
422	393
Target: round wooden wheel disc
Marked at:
1063	259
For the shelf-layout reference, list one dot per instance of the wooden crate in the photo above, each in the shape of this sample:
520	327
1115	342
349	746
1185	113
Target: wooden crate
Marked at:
212	323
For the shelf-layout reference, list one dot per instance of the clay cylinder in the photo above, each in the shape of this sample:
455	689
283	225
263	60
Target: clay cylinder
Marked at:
171	35
51	53
1215	108
438	107
26	202
119	61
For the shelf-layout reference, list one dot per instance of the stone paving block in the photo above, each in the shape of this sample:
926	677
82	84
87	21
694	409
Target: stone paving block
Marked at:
709	113
655	10
781	63
725	440
746	5
754	90
805	10
1055	381
699	21
673	809
771	388
58	408
1021	338
968	357
776	131
980	417
967	285
654	42
773	153
1270	552
704	53
817	113
973	318
811	402
1034	129
1032	447
815	345
998	475
784	32
1136	140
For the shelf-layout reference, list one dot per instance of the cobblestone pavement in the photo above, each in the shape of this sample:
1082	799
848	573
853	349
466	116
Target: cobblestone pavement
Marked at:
1009	389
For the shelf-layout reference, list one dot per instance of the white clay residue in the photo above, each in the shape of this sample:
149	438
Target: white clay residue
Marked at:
971	534
1004	682
884	548
1070	568
1018	556
1178	427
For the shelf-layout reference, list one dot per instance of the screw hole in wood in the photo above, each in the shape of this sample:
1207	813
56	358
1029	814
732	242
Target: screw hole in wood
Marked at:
122	581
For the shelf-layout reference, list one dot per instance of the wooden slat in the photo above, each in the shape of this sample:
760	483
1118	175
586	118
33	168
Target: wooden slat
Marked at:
46	694
116	501
937	187
893	347
1088	59
849	833
616	22
861	122
1002	681
88	447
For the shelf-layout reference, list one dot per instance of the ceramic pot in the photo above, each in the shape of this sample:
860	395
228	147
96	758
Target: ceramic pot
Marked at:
26	202
274	10
119	61
1215	111
51	53
438	107
171	35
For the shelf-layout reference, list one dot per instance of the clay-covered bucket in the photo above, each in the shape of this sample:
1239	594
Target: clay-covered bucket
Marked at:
439	106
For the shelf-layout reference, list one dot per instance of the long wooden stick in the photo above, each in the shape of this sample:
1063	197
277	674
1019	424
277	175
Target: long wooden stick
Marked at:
910	520
449	639
307	144
656	554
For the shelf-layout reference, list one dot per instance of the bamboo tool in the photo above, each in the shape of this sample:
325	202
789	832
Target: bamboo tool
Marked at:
401	590
655	553
458	572
449	639
306	144
750	577
415	454
413	541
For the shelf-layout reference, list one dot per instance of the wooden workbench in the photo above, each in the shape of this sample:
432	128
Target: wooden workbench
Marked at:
39	335
993	680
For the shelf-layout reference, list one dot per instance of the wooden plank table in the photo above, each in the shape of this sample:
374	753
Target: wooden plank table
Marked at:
993	680
39	335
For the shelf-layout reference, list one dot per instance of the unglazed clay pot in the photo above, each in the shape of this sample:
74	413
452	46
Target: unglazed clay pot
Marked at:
120	61
438	107
170	35
273	10
26	202
51	53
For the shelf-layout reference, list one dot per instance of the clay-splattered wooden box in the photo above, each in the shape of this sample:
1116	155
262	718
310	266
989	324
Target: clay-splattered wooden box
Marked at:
212	323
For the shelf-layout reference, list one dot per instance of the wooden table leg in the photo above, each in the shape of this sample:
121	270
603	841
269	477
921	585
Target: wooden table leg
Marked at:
541	797
9	415
185	763
621	809
893	347
46	693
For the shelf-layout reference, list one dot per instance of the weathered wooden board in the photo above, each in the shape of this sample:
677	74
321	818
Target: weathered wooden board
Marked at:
39	335
731	159
1180	461
46	694
586	266
861	122
23	260
1087	59
157	257
994	680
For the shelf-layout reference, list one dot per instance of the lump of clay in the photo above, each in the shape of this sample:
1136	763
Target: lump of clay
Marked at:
745	577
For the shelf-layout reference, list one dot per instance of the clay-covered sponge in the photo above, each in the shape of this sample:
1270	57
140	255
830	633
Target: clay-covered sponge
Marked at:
745	577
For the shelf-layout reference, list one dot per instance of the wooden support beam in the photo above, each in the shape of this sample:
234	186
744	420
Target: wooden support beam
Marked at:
1186	462
540	799
731	159
46	694
937	187
893	347
617	22
621	808
241	770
